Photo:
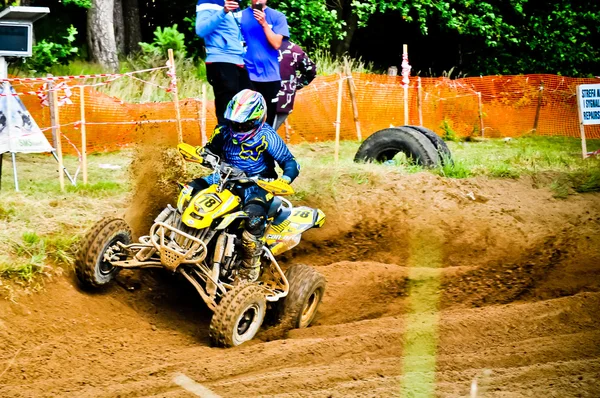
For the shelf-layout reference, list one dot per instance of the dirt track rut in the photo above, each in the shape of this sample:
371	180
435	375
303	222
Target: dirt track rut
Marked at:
516	309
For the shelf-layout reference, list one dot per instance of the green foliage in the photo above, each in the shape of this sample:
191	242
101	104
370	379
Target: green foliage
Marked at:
560	38
520	36
195	45
165	39
328	64
31	252
313	24
454	169
48	53
80	3
449	133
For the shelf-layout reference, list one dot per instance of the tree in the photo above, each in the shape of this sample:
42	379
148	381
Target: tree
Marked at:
101	34
133	31
312	23
341	18
119	22
493	36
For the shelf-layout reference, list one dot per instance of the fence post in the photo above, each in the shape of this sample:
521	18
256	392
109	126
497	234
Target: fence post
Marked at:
287	131
539	108
83	135
203	115
56	124
173	73
420	101
51	105
405	80
581	125
338	121
351	88
480	113
8	93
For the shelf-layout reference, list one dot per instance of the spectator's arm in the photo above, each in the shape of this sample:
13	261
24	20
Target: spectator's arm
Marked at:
276	34
207	20
307	69
273	38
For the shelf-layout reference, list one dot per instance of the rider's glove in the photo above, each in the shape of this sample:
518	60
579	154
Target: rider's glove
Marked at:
285	179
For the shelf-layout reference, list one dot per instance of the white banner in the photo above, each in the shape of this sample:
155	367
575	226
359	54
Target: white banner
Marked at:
19	133
588	97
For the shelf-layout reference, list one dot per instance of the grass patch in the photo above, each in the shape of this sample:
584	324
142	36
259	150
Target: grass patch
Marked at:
453	169
28	260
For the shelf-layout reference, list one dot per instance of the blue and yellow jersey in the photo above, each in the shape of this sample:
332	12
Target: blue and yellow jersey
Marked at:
256	156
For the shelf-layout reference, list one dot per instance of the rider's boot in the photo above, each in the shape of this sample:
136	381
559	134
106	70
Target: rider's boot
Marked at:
250	266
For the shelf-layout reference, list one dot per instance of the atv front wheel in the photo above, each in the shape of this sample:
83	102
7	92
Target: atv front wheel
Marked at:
91	268
238	316
307	287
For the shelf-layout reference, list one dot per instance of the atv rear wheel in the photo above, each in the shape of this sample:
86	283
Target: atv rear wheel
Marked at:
239	316
307	287
91	268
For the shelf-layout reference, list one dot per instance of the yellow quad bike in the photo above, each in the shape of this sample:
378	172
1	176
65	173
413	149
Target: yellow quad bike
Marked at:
201	240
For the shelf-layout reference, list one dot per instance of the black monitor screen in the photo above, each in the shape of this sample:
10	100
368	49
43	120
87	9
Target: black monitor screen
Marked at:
13	38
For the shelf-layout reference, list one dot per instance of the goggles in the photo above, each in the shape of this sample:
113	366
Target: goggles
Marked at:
243	127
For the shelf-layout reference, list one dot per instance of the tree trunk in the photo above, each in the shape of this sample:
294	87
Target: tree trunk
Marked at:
341	47
101	34
119	26
133	29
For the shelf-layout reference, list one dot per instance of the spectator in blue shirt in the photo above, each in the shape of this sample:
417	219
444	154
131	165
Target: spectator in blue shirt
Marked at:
225	71
264	29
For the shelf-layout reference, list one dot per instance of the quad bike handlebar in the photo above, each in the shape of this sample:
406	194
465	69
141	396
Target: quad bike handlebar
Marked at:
229	173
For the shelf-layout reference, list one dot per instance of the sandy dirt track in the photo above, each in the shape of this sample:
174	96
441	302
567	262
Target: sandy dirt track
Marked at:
428	279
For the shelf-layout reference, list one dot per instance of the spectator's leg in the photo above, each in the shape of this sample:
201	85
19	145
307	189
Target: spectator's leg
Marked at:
224	78
279	120
243	79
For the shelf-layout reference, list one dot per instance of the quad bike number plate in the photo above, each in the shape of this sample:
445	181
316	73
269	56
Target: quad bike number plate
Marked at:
208	203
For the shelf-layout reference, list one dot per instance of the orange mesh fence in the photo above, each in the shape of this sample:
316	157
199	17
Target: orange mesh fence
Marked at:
506	106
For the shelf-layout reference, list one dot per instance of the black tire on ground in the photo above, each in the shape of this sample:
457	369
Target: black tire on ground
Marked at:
387	143
90	267
307	287
438	143
239	316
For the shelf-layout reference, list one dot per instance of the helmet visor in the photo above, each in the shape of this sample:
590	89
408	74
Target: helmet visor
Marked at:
243	127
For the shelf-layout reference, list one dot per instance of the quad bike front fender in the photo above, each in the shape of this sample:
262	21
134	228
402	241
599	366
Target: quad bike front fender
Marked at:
228	219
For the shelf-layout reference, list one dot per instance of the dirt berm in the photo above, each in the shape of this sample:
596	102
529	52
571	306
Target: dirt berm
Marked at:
435	287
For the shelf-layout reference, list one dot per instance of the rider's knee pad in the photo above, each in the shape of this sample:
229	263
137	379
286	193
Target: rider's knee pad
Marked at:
257	219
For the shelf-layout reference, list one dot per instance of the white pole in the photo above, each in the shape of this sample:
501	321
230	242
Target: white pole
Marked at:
3	68
338	121
83	136
288	136
420	101
8	93
203	118
405	80
173	71
480	113
61	177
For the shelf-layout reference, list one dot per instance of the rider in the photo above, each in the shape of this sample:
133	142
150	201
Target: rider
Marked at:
250	144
